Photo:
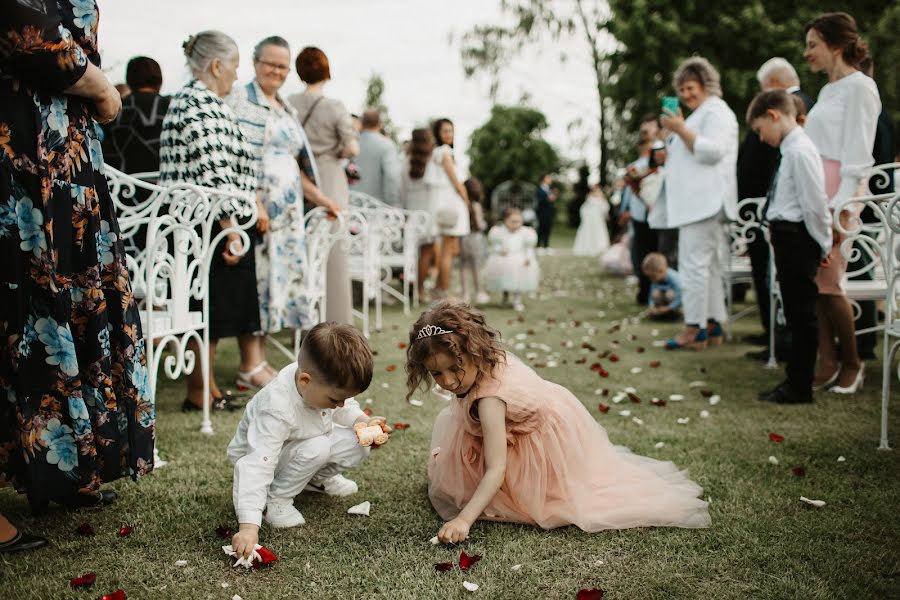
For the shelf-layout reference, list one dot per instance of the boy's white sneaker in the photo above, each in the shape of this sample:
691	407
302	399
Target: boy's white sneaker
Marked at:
333	486
482	298
281	513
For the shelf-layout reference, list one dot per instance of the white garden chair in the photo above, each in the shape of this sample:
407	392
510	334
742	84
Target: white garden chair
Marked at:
173	267
737	269
363	243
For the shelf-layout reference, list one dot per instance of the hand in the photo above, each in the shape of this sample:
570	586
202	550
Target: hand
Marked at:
624	218
454	531
672	121
107	105
245	540
262	218
330	205
233	239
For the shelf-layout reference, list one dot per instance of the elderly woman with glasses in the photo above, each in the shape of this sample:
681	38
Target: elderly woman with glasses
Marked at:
288	174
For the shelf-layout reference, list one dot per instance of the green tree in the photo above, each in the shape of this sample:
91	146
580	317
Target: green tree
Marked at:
510	146
375	99
490	48
656	35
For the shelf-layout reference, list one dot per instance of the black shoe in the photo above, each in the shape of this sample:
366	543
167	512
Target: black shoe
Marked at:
761	339
784	394
763	355
228	401
101	498
22	541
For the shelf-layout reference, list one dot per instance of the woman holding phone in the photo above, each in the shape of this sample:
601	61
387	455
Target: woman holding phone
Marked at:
700	194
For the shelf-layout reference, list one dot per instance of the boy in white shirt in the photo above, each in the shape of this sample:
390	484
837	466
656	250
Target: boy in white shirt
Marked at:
800	231
297	432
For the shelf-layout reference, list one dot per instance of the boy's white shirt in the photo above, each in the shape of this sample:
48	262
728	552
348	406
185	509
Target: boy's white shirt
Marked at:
800	189
277	414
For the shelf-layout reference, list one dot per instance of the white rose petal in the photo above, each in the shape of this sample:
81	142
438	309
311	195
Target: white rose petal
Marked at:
415	402
659	343
516	568
635	370
713	400
630	390
773	460
697	384
360	509
816	503
180	563
368	401
625	413
521	336
676	397
531	356
519	346
225	585
236	597
434	541
654	332
637	420
598	391
472	587
619	397
841	459
570	344
704	414
385	385
551	364
683	421
659	445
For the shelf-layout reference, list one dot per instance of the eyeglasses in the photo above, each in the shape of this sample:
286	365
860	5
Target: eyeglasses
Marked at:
274	66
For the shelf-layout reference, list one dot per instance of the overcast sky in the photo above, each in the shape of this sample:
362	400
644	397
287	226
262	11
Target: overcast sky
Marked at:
407	41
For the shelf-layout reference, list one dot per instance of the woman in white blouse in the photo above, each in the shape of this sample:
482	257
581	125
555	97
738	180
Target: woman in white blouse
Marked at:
842	125
700	194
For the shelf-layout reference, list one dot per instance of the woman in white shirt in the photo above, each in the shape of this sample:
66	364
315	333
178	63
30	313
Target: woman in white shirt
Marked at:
842	126
700	194
415	196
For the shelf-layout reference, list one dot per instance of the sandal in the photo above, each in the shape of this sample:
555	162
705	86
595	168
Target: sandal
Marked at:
22	541
227	401
244	380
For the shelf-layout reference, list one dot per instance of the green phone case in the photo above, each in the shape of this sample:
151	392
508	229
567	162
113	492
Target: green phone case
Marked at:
671	103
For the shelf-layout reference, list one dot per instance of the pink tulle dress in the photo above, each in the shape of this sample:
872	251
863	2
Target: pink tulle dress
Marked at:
561	468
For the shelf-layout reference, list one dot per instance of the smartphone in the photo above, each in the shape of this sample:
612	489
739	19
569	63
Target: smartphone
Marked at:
670	103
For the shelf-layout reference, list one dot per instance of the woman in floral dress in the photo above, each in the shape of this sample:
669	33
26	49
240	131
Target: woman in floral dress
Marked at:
76	409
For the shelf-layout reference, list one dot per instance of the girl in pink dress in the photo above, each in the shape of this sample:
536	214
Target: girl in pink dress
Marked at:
513	447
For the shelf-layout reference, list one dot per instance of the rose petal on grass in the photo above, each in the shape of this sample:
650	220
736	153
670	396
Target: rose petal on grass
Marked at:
472	587
630	390
841	459
683	420
435	541
697	384
634	397
636	370
676	397
367	412
816	503
116	595
591	594
516	568
713	400
360	509
654	364
86	580
85	529
704	414
658	402
266	558
798	471
180	563
466	561
391	368
625	413
596	367
385	385
443	567
614	358
401	345
659	445
401	425
707	393
603	408
415	402
125	530
224	532
637	421
775	437
773	460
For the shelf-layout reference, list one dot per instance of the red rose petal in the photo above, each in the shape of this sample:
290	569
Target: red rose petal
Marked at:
591	594
634	398
603	354
640	350
658	402
125	530
654	364
551	321
367	412
401	345
391	368
266	558
86	580
706	393
443	567
581	361
85	529
401	425
604	408
596	367
587	346
799	471
604	392
224	532
614	357
466	561
116	595
775	437
604	373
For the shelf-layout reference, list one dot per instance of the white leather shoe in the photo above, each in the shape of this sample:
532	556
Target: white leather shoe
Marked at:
334	486
281	513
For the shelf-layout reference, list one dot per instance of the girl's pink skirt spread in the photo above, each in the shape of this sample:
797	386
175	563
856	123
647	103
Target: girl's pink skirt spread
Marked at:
561	467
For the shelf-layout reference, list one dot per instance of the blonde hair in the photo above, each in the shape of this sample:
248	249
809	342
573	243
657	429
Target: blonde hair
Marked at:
204	47
653	263
700	70
470	335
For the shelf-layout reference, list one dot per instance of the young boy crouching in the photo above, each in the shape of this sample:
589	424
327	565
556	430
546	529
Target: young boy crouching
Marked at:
297	432
664	300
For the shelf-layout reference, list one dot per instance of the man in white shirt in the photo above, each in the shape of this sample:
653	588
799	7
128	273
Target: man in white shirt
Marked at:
378	161
800	226
297	432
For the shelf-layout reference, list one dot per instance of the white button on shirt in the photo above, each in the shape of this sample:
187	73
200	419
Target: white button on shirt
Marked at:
277	414
799	188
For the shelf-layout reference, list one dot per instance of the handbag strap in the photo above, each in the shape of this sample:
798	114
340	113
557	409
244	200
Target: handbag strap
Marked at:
310	111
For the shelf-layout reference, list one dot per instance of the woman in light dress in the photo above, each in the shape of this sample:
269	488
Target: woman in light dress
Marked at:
592	237
415	195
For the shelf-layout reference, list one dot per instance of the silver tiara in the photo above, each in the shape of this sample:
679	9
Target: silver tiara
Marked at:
430	330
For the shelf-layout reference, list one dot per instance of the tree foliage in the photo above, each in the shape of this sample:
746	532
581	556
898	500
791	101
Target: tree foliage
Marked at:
510	146
375	99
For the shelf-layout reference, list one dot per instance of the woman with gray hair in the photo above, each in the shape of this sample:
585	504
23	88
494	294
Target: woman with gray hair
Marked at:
700	194
202	144
288	174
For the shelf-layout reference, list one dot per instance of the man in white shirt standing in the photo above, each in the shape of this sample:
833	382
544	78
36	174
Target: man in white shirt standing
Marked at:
378	161
800	226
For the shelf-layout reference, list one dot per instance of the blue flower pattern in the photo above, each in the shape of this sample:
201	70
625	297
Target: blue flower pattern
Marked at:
58	344
105	240
30	221
60	445
8	219
79	414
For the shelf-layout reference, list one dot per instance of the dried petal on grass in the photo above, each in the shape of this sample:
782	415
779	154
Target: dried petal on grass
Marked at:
707	393
798	471
603	408
472	587
116	595
360	509
654	364
591	594
658	402
225	532
775	437
401	425
443	567
86	580
773	460
85	529
391	368
816	503
466	561
125	530
634	398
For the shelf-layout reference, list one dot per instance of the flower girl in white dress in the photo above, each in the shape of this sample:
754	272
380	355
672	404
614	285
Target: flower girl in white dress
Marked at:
592	237
512	266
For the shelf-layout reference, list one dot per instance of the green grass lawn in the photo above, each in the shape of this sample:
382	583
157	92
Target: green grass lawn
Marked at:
763	543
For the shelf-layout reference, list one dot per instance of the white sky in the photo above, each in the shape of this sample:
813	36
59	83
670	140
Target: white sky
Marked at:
406	41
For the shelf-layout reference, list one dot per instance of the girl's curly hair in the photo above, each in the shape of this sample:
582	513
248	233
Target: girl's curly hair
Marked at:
471	336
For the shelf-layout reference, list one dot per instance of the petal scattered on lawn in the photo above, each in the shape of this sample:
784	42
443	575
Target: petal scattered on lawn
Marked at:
773	460
391	368
775	437
704	414
630	390
636	370
435	541
591	594
637	420
659	343
697	384
634	398
658	402
683	420
225	532
180	563
116	595
236	597
472	587
85	529
86	580
125	530
715	399
841	459
659	445
516	568
707	393
603	408
466	561
798	471
676	397
401	425
816	503
654	364
625	413
613	358
415	402
443	567
360	509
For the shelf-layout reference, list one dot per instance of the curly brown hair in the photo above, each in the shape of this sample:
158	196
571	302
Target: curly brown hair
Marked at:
471	336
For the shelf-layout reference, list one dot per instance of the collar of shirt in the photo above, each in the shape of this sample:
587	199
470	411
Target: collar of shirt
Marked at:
793	89
791	138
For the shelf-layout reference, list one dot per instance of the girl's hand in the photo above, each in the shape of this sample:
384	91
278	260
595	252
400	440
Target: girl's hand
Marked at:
454	531
672	121
245	540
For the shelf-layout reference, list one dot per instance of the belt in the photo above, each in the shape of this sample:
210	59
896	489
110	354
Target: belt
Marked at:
786	226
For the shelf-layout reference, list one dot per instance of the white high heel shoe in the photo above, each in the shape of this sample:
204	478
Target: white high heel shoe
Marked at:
853	387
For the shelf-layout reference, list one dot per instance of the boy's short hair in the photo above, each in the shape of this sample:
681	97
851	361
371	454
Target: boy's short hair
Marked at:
339	354
654	262
771	100
799	105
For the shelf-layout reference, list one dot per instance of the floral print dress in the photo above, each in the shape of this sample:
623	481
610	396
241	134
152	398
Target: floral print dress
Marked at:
75	404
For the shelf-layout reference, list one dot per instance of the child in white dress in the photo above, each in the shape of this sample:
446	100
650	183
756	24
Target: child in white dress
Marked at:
592	237
512	266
